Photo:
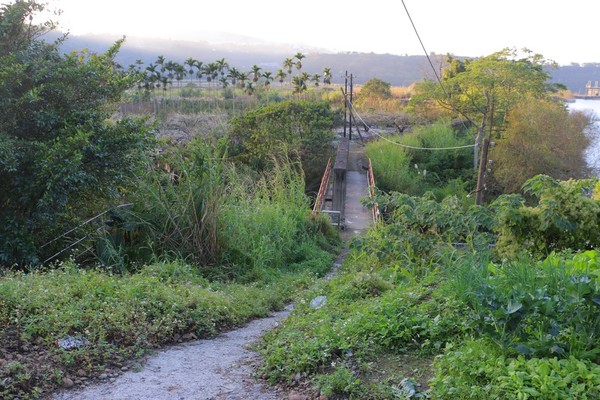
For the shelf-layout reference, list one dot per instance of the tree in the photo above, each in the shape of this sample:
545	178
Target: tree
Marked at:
268	76
256	74
200	72
191	64
316	78
300	83
485	90
327	75
282	131
233	75
16	29
299	56
288	64
280	76
62	159
541	137
222	66
376	88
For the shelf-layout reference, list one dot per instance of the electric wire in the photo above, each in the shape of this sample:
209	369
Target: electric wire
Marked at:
439	80
353	110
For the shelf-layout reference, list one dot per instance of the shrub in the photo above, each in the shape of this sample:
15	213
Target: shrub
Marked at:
565	217
415	171
541	309
282	131
476	370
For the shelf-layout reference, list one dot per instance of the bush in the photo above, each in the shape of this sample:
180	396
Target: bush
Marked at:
476	370
565	217
62	159
282	131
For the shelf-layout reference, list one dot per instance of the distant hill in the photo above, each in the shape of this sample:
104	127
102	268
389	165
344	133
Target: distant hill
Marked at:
246	52
575	76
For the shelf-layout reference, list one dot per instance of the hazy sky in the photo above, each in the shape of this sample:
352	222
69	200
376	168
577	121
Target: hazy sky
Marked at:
561	31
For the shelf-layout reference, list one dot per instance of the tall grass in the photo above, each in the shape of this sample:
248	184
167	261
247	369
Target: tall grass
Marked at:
264	220
232	222
179	210
414	171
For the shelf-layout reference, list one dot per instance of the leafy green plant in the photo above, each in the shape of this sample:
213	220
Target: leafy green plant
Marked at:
68	161
478	370
540	309
123	316
284	130
340	382
565	217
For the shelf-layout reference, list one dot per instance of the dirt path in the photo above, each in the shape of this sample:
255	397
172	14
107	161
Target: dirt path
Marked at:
214	369
222	368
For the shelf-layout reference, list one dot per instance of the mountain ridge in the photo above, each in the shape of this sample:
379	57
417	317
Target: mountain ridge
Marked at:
398	70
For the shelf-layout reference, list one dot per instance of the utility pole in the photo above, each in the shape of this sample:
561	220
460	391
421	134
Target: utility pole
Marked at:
345	102
482	170
351	104
483	162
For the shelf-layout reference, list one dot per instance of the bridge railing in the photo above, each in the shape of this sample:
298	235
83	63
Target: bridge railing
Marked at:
371	178
320	200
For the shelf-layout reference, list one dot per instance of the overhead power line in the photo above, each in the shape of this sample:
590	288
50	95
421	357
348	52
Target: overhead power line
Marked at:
437	77
353	110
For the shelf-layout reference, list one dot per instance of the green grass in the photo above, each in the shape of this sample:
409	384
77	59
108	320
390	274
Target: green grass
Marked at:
124	317
415	171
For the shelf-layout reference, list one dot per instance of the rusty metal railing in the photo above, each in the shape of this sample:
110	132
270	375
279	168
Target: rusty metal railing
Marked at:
371	178
318	206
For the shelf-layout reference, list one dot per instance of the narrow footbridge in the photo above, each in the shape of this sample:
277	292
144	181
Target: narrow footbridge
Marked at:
345	182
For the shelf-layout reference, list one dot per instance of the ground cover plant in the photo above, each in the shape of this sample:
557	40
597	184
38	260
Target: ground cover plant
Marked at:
117	319
426	290
194	255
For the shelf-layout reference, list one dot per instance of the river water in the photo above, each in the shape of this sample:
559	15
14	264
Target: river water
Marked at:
592	154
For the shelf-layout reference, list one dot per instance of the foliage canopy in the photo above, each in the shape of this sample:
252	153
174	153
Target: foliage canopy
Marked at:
61	157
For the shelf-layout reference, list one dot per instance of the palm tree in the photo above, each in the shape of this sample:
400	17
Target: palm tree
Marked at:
160	60
233	75
242	78
191	64
268	78
222	65
255	73
288	63
316	78
300	83
180	73
210	70
249	88
280	76
299	56
200	72
164	80
151	77
223	80
327	75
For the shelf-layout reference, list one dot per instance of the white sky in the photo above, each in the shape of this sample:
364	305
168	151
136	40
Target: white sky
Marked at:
560	31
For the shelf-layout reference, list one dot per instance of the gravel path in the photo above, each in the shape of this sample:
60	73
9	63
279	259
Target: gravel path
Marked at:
215	369
221	368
